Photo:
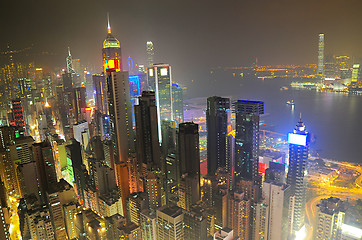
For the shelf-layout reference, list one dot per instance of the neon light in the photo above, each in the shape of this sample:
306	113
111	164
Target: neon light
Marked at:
88	108
297	139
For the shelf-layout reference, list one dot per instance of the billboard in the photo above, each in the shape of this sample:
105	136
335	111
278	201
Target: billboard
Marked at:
297	139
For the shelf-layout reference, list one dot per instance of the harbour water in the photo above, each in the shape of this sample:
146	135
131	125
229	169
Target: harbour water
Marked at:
334	119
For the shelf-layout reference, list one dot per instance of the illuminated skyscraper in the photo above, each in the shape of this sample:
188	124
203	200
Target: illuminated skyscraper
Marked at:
216	124
120	119
320	67
247	139
160	80
150	54
111	48
297	173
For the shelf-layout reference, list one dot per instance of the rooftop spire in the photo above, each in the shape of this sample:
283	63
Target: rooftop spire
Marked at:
109	25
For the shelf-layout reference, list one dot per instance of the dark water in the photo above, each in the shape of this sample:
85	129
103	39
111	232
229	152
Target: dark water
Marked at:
335	119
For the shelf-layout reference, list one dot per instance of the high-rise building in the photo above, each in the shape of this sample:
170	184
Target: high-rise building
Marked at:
170	223
247	139
153	188
137	203
58	195
4	213
297	173
216	123
275	217
18	115
168	144
148	146
100	92
148	225
239	212
120	119
160	80
195	224
320	67
230	159
111	49
330	218
120	115
188	148
43	156
150	53
189	192
177	103
79	102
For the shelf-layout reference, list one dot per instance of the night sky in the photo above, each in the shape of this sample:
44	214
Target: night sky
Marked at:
193	36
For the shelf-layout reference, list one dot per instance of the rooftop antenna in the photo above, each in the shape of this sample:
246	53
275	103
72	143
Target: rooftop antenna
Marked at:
108	24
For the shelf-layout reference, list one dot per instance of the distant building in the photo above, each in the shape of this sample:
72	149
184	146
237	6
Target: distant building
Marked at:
320	66
150	53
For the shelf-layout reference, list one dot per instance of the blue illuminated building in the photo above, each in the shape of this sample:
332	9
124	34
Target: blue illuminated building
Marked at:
134	86
297	173
135	92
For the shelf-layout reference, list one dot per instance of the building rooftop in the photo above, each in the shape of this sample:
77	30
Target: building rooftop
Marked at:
171	210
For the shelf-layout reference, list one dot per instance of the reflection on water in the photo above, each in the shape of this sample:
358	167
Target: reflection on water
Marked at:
333	118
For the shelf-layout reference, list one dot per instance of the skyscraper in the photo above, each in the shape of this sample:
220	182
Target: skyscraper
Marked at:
177	103
160	80
188	148
216	124
100	92
297	173
120	119
120	116
320	67
111	48
148	147
247	139
18	114
150	54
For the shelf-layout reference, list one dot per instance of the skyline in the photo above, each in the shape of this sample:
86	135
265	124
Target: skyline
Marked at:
201	37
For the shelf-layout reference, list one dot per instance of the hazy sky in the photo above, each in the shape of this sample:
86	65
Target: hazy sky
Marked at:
191	35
